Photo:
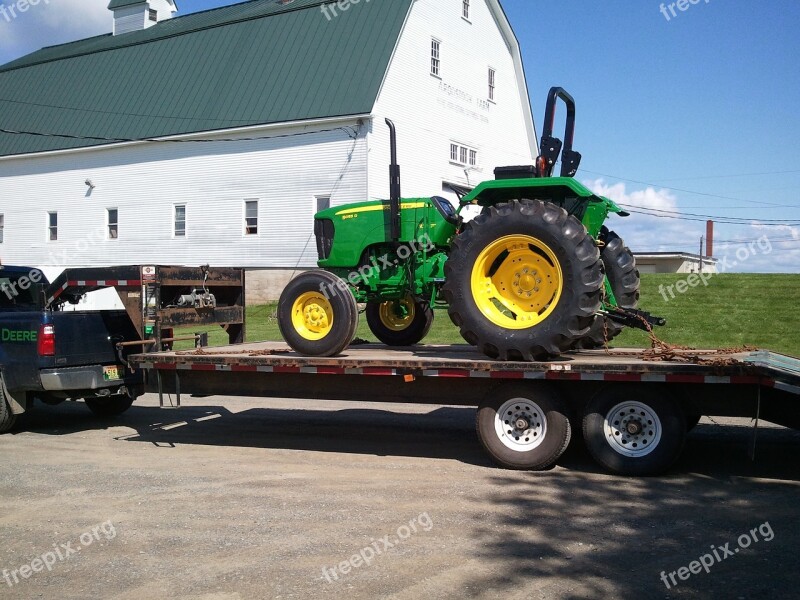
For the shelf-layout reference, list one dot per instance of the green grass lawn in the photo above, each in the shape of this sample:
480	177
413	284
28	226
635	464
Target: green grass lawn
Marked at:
732	310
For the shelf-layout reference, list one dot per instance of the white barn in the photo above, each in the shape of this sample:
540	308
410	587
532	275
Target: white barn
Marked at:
215	137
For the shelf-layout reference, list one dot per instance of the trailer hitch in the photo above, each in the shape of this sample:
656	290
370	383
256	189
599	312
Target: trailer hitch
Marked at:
630	317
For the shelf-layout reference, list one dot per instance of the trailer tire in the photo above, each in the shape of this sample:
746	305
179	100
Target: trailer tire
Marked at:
7	418
523	281
110	406
634	429
317	314
523	427
692	421
623	276
396	331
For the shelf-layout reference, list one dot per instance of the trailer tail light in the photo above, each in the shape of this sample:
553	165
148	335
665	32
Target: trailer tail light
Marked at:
46	342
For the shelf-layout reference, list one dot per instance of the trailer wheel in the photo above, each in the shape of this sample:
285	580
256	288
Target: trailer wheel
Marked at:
400	322
7	418
523	427
524	281
634	430
110	406
623	276
317	314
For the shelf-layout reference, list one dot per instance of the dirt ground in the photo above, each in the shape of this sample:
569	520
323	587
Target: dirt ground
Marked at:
240	498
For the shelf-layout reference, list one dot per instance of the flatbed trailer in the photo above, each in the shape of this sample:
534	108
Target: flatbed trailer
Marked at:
633	407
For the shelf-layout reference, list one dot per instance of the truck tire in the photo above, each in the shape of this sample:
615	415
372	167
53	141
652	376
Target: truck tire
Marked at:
523	427
623	276
7	418
634	429
317	314
523	281
110	406
395	330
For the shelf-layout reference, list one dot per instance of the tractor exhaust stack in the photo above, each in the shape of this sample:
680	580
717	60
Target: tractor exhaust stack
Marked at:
394	184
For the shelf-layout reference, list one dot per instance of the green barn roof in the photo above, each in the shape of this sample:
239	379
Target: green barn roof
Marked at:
253	63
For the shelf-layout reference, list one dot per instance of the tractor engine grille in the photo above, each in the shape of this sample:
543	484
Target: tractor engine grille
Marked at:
324	230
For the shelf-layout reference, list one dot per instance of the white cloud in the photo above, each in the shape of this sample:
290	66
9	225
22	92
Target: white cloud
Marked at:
48	23
766	249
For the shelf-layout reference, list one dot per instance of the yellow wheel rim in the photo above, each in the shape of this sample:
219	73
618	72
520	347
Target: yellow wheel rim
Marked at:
517	282
397	315
312	316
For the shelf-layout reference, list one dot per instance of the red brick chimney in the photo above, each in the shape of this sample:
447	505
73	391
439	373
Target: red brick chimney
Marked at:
709	238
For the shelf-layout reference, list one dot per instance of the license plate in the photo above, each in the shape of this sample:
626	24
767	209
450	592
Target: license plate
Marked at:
111	373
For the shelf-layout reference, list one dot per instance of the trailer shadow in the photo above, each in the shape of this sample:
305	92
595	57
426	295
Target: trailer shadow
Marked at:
718	452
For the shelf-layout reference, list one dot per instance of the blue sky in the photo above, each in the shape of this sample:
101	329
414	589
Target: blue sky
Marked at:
697	113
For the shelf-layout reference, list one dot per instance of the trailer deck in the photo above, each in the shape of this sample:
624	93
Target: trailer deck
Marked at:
461	361
634	407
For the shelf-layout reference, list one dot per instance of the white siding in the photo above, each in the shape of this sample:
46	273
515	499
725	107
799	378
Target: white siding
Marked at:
212	179
431	112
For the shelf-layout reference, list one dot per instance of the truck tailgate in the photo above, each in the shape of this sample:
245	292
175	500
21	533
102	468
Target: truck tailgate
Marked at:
89	338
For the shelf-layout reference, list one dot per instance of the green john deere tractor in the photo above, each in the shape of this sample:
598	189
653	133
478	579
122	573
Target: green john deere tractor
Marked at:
535	275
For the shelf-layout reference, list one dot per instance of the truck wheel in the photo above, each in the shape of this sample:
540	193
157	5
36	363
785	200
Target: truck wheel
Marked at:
110	406
620	267
523	427
7	418
634	430
523	281
317	314
400	322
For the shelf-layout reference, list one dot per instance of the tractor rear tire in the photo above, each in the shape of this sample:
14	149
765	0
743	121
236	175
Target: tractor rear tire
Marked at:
7	418
523	281
524	427
394	330
620	267
317	314
112	406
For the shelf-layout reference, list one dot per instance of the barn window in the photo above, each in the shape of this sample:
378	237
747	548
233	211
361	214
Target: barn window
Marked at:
465	9
180	220
112	223
436	57
2	226
52	226
463	155
492	83
251	217
153	15
323	203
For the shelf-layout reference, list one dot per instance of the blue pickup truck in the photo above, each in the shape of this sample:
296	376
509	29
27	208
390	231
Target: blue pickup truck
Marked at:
52	355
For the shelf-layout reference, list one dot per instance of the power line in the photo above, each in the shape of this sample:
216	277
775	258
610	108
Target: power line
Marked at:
703	219
728	176
714	217
125	114
685	191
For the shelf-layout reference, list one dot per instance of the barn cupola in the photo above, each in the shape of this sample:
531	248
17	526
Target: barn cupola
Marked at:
136	15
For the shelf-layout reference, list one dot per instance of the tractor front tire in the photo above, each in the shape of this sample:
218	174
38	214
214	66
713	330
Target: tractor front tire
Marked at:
620	267
317	314
400	322
523	281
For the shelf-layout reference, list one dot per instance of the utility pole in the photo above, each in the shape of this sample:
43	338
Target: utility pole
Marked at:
701	254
